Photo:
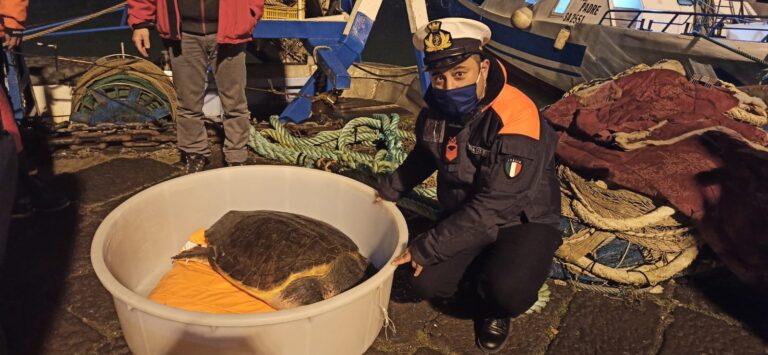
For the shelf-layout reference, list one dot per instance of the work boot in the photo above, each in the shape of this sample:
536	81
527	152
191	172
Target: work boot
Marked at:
491	334
195	163
49	201
34	196
22	208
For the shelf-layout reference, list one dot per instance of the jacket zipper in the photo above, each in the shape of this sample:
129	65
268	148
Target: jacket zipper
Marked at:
202	15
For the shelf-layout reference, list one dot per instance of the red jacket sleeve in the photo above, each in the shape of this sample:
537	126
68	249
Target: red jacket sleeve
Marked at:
142	11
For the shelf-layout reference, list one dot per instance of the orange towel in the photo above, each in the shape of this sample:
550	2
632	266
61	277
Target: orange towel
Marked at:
195	286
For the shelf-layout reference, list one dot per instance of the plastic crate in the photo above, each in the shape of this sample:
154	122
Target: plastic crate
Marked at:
274	10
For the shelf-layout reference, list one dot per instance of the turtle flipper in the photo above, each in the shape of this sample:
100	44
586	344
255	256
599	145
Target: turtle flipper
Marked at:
198	252
304	291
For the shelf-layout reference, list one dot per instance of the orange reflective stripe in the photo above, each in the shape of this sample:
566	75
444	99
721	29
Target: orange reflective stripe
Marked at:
518	113
503	70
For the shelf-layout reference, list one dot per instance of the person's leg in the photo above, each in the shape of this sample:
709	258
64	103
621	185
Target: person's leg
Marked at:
514	268
230	74
31	194
8	178
189	61
442	279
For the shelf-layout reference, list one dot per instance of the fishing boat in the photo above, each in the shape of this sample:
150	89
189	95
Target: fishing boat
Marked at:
566	42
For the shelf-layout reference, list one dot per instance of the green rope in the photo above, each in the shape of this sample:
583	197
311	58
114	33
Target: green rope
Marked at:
277	143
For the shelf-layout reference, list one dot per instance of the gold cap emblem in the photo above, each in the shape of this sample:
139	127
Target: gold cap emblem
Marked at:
436	39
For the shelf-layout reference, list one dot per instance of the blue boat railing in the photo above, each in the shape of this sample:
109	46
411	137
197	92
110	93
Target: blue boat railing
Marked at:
122	25
710	24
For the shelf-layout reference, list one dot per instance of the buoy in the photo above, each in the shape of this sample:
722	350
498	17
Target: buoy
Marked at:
522	18
562	38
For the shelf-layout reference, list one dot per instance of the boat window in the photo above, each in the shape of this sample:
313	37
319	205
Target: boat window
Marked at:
685	2
561	6
628	4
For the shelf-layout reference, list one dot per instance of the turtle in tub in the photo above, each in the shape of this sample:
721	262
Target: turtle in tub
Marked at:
284	259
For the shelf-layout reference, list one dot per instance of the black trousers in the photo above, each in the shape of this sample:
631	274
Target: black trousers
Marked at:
8	178
502	278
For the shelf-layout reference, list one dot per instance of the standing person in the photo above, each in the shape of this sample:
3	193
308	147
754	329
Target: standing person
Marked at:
8	177
497	185
32	195
10	142
199	33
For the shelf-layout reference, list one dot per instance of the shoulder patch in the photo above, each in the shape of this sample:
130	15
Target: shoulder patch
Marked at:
517	112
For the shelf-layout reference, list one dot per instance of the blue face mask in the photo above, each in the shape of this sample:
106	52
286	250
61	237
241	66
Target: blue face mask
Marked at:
457	102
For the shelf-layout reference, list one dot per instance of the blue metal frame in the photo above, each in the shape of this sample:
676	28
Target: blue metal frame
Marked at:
333	51
18	80
423	75
123	25
16	68
299	29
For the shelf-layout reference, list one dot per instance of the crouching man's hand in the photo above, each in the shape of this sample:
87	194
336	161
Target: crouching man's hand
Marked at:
405	257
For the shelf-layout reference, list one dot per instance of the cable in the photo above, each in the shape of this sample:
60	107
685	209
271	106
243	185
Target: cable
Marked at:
75	22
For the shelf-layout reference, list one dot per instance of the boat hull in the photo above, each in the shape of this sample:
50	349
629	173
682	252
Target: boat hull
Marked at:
595	51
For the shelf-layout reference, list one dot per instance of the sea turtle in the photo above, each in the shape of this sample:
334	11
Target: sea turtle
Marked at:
284	259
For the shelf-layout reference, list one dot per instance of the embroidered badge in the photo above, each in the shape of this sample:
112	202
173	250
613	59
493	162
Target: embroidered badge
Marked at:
437	39
513	167
451	149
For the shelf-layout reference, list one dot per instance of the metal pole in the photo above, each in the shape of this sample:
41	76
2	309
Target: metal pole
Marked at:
417	17
15	89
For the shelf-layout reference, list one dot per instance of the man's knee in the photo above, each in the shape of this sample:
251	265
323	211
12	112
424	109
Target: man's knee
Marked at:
429	288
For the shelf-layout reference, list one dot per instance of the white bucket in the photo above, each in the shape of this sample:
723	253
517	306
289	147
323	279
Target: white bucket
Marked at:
133	246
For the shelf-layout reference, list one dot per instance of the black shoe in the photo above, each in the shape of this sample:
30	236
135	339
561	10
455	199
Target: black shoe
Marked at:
22	208
195	163
34	196
491	334
50	202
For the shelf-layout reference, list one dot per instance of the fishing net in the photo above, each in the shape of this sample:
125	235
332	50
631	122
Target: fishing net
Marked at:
123	89
616	237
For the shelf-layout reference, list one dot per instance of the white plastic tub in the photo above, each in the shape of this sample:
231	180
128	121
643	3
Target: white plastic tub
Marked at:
133	245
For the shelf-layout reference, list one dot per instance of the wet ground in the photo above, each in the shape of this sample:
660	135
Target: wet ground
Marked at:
52	302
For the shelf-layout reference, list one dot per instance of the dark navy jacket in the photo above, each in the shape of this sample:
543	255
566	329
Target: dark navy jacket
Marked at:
496	168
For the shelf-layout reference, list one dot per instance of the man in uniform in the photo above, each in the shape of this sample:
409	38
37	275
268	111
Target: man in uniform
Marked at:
497	185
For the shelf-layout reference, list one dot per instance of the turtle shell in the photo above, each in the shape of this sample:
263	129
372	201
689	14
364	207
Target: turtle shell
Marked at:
285	259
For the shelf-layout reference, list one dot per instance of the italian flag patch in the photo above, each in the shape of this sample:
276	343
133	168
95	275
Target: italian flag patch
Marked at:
513	167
